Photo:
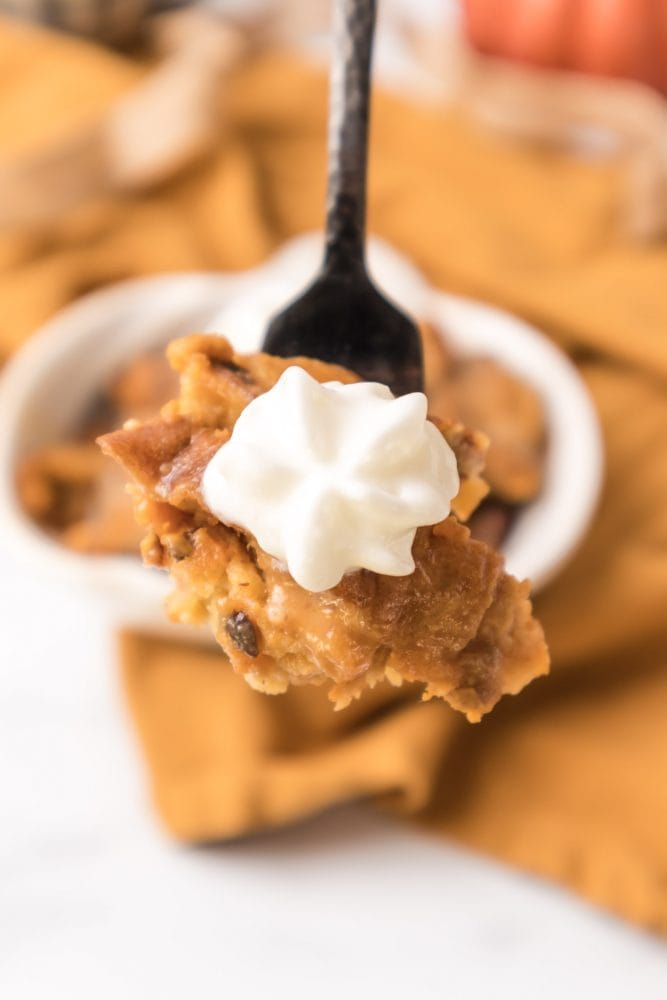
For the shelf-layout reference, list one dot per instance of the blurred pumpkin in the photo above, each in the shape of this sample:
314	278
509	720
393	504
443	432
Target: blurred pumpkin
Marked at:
621	38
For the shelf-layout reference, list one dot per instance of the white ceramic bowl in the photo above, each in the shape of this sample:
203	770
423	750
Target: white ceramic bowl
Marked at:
51	380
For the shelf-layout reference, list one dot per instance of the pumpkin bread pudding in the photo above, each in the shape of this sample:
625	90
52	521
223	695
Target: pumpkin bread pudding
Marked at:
70	490
458	626
77	495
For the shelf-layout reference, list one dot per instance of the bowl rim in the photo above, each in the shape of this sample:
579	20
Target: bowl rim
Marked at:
46	348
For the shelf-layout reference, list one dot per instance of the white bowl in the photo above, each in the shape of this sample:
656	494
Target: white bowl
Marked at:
51	380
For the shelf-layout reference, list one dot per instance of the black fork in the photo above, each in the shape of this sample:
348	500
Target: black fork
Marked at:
342	317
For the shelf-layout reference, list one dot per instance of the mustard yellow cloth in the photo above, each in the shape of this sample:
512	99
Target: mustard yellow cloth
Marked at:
568	780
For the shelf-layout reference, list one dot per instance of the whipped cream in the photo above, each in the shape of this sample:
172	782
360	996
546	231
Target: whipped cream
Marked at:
331	478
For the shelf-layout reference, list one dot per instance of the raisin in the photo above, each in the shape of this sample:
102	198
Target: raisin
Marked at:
178	547
241	631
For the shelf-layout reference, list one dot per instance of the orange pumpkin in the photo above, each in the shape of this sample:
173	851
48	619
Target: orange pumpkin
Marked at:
623	38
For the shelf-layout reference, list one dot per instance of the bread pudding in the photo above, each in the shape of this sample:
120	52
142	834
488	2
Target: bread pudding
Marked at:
78	496
458	625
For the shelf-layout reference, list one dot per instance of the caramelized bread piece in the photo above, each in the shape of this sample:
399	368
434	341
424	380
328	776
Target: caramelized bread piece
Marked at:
71	490
459	626
478	391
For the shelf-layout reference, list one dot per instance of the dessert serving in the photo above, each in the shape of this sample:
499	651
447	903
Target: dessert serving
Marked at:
78	496
70	489
325	544
476	390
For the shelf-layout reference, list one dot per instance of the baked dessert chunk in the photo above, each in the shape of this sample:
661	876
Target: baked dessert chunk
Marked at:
71	490
459	626
481	393
76	495
73	493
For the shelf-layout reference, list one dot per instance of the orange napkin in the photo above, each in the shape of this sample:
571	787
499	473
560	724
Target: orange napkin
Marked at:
569	779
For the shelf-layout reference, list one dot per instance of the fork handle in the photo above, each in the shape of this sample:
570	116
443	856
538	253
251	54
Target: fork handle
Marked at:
349	102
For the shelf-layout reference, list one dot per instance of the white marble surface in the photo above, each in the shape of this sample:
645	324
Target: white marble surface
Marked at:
96	902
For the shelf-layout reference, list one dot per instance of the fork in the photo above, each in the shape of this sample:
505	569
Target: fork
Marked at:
342	317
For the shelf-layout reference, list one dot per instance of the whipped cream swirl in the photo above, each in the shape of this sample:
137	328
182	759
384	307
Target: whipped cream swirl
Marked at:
331	478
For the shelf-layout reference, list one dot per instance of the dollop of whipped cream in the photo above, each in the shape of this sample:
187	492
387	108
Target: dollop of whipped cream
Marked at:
331	478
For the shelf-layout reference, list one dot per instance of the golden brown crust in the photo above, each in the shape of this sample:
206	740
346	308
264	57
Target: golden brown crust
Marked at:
458	625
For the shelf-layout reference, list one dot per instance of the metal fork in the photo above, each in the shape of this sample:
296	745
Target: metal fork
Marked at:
342	317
